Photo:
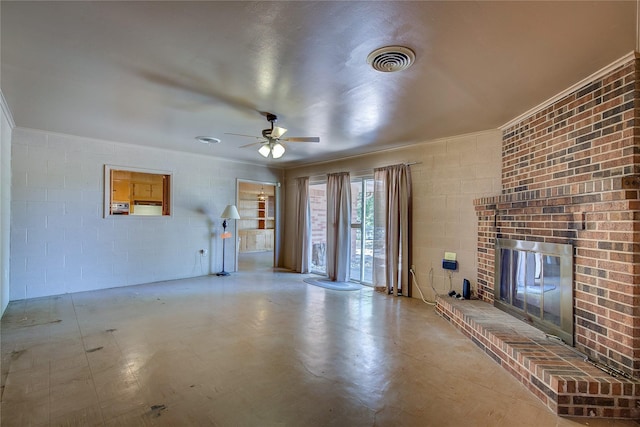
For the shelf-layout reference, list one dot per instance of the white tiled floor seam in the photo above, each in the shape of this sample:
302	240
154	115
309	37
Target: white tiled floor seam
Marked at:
86	355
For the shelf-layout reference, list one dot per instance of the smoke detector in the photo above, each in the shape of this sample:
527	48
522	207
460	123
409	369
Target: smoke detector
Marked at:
208	140
390	59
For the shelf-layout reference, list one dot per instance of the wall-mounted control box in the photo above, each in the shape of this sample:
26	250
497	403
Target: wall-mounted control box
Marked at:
449	264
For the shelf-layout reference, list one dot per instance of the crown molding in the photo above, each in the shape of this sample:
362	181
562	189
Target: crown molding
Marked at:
598	74
5	109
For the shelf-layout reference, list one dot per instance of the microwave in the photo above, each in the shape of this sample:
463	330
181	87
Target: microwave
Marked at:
120	208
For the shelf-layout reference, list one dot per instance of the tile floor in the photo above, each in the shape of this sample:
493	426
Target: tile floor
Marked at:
258	348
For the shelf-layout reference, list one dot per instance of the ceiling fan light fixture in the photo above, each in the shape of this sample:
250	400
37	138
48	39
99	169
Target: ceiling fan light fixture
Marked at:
264	150
262	197
390	59
277	150
271	146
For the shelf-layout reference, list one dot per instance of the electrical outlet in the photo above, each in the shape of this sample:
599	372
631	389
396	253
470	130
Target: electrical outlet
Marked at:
413	267
203	252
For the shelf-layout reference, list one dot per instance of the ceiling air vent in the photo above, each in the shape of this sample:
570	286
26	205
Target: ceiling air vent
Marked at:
390	59
208	140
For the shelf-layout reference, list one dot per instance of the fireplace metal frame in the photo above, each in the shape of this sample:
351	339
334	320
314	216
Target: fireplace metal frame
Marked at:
565	253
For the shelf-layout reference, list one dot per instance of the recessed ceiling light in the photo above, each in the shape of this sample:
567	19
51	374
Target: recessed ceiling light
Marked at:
390	59
208	140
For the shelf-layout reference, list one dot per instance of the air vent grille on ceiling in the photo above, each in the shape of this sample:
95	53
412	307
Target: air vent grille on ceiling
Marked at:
208	140
390	59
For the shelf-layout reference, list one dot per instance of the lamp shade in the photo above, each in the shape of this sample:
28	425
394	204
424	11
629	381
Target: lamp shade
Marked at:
230	212
264	150
277	150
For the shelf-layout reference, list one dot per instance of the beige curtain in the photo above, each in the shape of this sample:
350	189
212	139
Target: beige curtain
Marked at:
303	226
338	226
392	230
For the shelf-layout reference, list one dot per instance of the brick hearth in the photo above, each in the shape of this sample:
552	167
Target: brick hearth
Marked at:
555	373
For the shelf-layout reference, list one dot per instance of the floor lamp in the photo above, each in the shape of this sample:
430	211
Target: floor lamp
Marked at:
230	212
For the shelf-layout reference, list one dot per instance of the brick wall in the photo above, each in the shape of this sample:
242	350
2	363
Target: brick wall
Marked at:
571	174
59	242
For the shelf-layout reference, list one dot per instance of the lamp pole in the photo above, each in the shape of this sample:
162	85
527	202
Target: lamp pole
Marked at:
230	212
224	231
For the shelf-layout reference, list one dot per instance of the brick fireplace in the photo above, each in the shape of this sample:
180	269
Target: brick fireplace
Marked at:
571	175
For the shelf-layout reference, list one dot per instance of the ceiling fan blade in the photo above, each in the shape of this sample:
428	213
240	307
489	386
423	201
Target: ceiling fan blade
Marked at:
302	139
253	143
277	132
247	136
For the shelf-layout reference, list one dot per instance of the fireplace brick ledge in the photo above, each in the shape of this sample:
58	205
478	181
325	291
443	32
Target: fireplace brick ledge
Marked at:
557	375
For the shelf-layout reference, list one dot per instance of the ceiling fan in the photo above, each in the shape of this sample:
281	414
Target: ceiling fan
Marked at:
271	139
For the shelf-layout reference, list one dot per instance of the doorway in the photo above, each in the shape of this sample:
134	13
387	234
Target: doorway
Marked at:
256	226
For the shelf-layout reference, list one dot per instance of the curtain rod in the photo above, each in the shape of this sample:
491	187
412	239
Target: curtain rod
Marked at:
406	164
322	176
379	167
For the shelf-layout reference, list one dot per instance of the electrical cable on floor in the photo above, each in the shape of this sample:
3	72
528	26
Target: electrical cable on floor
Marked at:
431	281
413	275
195	263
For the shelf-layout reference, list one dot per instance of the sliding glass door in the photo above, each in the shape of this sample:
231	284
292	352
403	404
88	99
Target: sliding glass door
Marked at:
361	269
318	202
362	202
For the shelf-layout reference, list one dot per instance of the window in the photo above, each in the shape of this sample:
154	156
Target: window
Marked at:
140	192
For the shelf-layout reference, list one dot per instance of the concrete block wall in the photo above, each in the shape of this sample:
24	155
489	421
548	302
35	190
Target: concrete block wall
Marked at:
6	128
449	174
61	243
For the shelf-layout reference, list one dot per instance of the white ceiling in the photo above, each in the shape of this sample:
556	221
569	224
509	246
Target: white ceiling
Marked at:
161	73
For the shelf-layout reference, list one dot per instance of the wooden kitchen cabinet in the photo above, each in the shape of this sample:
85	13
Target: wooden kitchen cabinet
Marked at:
141	191
146	191
156	192
255	240
121	191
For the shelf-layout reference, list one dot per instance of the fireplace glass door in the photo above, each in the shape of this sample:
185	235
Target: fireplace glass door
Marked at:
534	282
